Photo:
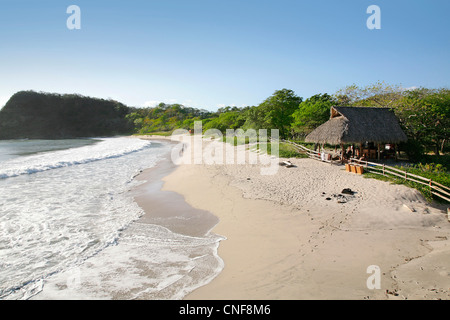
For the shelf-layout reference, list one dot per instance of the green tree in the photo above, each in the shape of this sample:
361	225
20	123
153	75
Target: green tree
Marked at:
253	118
226	120
277	111
311	113
425	115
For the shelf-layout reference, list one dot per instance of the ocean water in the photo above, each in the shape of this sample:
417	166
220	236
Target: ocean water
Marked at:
70	228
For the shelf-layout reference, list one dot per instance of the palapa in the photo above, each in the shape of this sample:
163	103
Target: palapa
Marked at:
348	125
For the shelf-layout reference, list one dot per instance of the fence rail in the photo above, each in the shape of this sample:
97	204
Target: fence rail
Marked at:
325	157
436	189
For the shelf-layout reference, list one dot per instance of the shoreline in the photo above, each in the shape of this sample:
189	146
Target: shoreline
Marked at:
160	206
165	252
170	210
284	241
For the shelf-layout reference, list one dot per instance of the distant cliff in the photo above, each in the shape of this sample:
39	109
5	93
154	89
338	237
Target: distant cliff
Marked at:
37	115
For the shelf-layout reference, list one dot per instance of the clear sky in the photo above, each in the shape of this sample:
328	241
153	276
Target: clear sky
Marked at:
209	53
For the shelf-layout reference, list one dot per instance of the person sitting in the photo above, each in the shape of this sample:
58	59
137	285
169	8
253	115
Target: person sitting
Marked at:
348	153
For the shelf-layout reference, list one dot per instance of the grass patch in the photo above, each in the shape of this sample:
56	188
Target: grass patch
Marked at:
424	190
237	141
443	160
286	150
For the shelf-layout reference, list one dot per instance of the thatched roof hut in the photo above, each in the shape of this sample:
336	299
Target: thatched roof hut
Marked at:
351	125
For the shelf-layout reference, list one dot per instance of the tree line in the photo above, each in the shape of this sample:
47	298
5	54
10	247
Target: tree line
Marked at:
423	113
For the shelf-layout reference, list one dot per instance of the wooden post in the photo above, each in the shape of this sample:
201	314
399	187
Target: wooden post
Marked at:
379	156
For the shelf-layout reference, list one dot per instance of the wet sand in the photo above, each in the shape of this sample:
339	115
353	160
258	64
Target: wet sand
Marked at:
168	208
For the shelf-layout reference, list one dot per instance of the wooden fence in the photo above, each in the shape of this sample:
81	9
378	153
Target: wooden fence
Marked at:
325	157
436	189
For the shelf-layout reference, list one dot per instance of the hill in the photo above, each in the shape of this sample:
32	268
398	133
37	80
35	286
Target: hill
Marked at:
38	115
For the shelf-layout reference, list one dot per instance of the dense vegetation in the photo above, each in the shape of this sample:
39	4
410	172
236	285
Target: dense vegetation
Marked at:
30	114
423	113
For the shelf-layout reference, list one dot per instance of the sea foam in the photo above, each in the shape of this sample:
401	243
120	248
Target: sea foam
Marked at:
106	149
70	228
74	205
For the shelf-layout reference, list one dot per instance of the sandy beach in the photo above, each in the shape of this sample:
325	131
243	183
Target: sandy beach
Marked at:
294	235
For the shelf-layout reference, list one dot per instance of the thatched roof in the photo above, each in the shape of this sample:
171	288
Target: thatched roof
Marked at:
357	125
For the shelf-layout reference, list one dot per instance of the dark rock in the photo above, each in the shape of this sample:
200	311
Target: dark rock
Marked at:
348	191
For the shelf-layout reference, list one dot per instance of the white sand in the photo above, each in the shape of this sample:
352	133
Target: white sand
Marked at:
286	241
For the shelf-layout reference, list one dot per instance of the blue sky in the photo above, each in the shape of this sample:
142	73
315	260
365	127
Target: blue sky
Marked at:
208	53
